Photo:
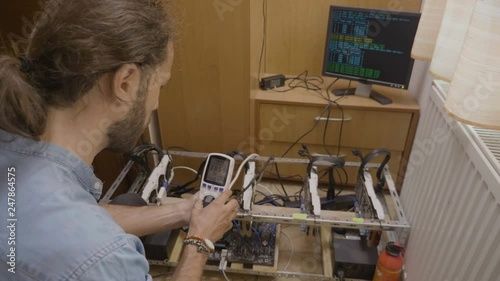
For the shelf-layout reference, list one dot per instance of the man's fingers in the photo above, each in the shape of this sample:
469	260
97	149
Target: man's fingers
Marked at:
225	195
198	203
234	215
232	204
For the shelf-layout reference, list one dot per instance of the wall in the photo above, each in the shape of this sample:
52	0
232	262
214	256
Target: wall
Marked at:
296	34
13	17
206	107
296	31
420	84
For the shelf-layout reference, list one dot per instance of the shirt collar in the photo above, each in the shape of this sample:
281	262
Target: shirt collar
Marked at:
57	154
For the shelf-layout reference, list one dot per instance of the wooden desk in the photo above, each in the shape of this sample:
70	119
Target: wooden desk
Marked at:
306	257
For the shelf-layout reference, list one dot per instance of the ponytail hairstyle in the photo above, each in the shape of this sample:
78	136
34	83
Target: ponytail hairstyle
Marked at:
21	109
74	43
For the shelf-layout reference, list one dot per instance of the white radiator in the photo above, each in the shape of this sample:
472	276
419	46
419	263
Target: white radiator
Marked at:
451	196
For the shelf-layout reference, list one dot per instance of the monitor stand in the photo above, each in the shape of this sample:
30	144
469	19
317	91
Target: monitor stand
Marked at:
364	90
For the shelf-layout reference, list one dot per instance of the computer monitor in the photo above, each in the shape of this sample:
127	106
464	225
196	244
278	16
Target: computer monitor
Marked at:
371	47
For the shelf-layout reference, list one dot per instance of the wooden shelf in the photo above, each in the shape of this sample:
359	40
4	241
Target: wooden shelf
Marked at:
370	126
402	99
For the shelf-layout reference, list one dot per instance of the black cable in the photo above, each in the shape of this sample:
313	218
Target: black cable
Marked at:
300	138
280	179
324	132
139	155
327	98
341	126
346	182
178	148
306	80
255	179
322	173
308	132
286	177
273	197
328	89
328	118
346	176
300	192
306	77
264	39
303	78
338	150
338	173
331	190
340	191
328	107
185	186
330	194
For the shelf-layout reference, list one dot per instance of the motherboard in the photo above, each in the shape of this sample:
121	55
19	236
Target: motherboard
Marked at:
253	244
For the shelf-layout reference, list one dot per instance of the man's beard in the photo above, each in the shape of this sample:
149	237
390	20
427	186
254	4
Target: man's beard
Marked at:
123	135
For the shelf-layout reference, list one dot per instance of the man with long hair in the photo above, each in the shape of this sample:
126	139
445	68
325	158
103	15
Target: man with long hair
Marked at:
92	68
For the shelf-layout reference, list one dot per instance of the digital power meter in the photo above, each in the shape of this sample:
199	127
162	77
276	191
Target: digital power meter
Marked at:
217	176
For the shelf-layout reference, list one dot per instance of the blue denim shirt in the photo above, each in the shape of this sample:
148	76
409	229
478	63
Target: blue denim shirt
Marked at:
57	231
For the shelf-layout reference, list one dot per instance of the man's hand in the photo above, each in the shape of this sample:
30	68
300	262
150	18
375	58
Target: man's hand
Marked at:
187	207
214	220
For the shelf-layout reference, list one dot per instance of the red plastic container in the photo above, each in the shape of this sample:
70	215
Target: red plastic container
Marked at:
390	263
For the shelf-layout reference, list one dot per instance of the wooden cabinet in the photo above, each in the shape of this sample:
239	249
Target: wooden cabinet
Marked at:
280	119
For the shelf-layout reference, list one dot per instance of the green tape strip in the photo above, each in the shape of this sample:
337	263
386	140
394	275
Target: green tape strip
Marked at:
299	216
360	220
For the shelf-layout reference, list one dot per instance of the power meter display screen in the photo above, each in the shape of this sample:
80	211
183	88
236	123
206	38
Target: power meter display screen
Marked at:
217	171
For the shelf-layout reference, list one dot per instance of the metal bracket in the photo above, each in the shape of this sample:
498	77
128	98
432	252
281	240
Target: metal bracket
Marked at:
313	189
154	181
248	194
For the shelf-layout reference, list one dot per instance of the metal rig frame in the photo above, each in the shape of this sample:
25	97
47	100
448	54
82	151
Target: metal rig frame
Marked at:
393	230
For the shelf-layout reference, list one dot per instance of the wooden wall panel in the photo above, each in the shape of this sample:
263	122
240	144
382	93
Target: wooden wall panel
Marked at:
206	105
296	31
16	21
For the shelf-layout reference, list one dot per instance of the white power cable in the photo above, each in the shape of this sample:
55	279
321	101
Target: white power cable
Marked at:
250	157
223	263
172	174
185	168
291	253
225	276
266	188
278	188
